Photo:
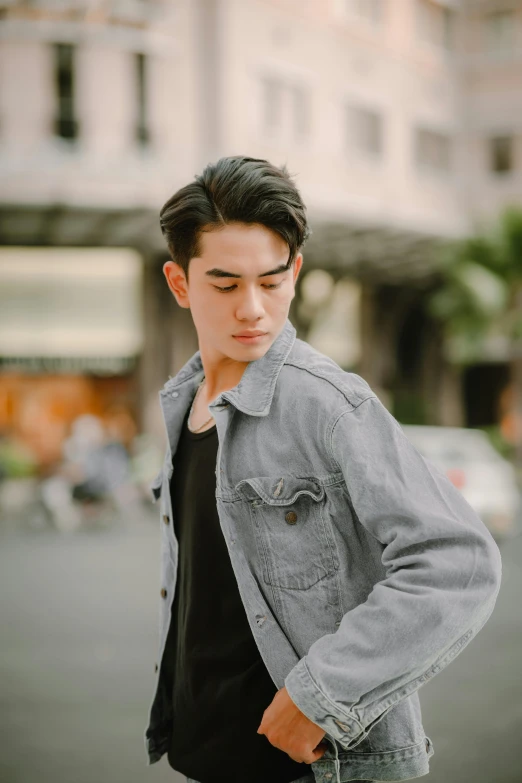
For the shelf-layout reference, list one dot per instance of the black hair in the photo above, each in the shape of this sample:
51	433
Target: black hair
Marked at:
236	189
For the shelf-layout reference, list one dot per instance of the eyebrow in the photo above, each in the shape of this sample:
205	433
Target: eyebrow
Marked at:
222	273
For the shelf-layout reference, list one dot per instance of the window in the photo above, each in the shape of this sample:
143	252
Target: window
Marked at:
501	154
286	108
142	127
272	104
500	28
299	110
365	131
369	10
435	24
448	28
432	150
65	122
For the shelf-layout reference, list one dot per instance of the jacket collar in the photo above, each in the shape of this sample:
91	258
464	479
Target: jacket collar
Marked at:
254	392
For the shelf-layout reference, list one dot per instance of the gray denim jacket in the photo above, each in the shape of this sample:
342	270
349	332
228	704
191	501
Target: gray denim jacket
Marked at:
362	569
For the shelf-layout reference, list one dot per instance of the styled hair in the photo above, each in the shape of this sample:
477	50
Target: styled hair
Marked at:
236	189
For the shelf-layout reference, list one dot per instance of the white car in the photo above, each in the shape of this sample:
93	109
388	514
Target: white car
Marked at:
486	480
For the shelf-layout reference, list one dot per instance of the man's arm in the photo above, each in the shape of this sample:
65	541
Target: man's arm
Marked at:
443	574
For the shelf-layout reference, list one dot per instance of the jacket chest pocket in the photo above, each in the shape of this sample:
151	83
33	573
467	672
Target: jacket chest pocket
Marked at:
295	544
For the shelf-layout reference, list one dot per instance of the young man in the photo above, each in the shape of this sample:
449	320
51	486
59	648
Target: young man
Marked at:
316	569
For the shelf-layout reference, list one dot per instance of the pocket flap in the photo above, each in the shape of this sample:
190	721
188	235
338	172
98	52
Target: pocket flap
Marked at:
279	490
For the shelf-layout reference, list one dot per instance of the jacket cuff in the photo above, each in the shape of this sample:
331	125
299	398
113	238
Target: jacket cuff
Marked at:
318	708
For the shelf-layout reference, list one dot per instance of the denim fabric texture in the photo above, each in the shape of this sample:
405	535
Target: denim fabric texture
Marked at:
362	569
306	779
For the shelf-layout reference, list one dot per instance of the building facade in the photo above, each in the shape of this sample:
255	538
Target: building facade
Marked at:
401	121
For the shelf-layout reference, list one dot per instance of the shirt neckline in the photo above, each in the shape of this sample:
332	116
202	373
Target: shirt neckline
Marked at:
198	435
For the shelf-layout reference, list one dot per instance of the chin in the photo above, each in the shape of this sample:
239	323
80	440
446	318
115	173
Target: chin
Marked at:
249	353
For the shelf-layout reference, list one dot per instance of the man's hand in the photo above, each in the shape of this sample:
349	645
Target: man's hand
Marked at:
288	729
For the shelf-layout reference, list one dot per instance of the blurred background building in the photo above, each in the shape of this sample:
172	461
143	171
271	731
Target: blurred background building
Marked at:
402	122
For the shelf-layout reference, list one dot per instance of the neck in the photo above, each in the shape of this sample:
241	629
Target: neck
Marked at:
220	375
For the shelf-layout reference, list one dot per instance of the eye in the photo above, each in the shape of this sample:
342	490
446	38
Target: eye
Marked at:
231	287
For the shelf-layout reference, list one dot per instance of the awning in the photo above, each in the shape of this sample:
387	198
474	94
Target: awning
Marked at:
68	305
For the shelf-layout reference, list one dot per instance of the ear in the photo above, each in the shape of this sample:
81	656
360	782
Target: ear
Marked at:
177	282
298	263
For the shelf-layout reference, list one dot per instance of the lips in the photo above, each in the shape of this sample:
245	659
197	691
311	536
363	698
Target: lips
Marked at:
250	338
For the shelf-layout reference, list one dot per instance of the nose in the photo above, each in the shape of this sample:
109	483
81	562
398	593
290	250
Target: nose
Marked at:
250	307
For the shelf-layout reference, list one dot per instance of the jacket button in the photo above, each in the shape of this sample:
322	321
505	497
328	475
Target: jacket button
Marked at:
163	592
166	519
291	517
156	667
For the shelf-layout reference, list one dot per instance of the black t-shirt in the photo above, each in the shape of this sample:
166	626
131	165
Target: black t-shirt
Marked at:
219	683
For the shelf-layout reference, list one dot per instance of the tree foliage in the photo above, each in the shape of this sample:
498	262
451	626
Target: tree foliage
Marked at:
481	291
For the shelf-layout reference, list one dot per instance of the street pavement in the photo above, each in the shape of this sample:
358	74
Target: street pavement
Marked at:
79	616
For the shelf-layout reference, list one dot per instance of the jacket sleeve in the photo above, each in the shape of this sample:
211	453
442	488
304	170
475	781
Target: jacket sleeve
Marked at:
443	575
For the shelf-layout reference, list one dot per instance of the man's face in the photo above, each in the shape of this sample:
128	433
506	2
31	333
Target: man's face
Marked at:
230	294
